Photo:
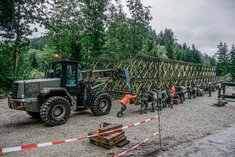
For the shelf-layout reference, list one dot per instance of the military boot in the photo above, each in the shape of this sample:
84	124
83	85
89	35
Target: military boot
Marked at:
141	108
145	108
120	113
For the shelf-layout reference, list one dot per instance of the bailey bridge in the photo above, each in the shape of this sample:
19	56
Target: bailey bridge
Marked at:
151	72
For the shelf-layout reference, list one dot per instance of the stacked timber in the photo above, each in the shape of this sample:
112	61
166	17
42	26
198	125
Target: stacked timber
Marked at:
176	101
109	140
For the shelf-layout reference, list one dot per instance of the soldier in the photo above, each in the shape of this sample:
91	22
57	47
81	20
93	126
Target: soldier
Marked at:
189	90
209	89
157	100
170	93
194	91
145	99
164	98
124	102
180	92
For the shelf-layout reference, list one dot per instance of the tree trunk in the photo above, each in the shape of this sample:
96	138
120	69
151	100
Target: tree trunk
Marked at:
16	57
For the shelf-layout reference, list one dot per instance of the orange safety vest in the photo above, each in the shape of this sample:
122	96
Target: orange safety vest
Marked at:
127	98
173	90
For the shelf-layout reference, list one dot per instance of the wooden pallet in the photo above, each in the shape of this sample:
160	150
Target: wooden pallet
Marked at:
109	139
123	143
107	146
110	127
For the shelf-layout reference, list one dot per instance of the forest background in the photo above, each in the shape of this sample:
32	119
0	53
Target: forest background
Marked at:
82	29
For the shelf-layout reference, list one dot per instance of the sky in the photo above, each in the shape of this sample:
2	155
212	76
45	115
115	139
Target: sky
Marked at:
202	22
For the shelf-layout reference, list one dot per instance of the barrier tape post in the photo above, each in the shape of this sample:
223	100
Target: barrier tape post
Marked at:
159	128
158	119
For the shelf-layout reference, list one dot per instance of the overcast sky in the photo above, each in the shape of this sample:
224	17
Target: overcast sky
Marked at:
202	22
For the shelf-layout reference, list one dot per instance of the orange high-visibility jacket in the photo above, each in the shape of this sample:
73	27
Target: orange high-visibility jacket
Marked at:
127	98
173	90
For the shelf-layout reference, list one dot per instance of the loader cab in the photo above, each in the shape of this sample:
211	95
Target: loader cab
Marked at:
70	74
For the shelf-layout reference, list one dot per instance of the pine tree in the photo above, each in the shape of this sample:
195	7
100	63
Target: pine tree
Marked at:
222	57
94	21
139	23
222	52
232	60
232	54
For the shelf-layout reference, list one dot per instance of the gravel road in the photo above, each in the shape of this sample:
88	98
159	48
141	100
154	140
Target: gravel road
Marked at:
182	126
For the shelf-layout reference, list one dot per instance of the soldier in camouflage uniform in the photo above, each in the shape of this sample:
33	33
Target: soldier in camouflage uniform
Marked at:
145	99
169	98
164	98
190	91
180	90
156	100
194	91
209	89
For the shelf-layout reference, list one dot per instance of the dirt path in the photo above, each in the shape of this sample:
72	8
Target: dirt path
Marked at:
182	125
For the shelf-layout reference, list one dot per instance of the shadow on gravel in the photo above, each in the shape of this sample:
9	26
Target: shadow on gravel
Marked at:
79	113
24	122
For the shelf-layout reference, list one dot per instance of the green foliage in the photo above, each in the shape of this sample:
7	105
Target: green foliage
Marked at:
7	75
4	90
213	62
82	29
225	58
139	24
232	60
17	18
167	39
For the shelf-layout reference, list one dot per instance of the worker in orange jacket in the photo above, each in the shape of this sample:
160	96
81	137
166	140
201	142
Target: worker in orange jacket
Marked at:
124	102
173	90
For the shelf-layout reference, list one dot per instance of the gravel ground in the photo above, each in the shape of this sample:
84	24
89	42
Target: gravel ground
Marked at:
216	145
181	126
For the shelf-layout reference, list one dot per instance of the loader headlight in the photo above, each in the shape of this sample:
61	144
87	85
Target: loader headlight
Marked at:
22	96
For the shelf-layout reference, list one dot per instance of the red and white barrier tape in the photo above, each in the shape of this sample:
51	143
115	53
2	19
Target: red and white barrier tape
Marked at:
32	146
132	148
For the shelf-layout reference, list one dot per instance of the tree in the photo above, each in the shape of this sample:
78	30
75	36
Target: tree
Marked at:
167	39
222	52
232	60
139	24
17	18
232	54
94	20
213	61
222	57
117	36
64	27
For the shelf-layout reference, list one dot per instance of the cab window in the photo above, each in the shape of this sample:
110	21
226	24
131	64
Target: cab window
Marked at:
58	70
71	74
